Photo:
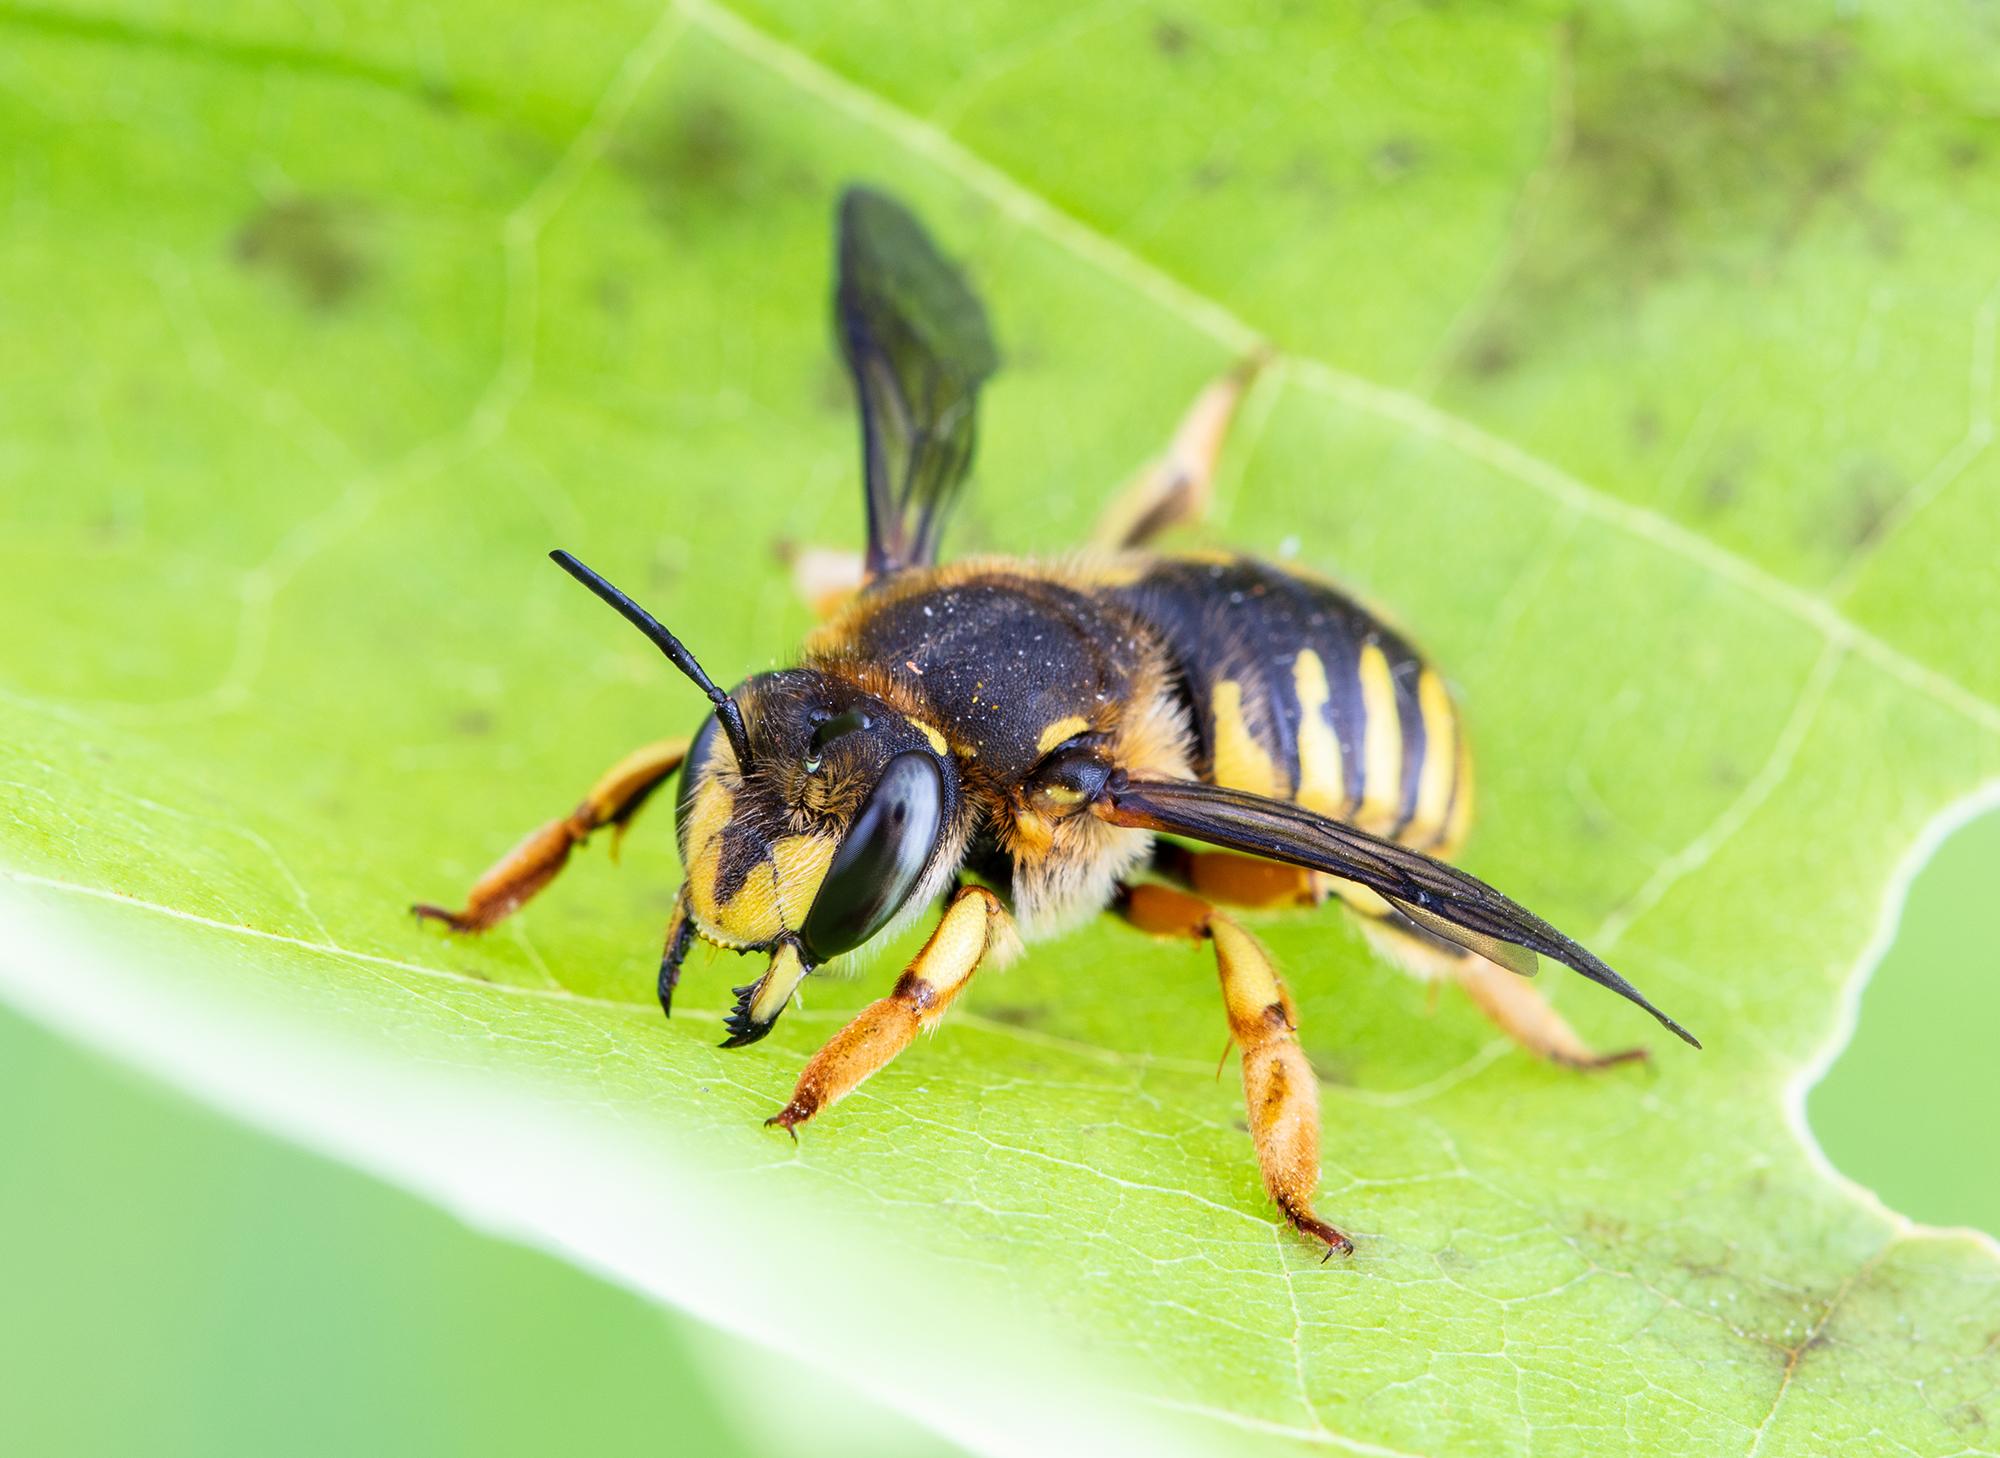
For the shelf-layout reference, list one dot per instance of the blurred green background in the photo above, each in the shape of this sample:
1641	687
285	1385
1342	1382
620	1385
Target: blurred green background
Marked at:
197	1287
178	1284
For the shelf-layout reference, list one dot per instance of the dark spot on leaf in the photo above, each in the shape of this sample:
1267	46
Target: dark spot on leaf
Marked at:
473	723
1716	148
310	244
1171	38
1212	174
1748	130
1019	1015
700	147
1493	352
1605	1227
1872	490
1962	154
1396	157
1732	462
1646	427
1724	775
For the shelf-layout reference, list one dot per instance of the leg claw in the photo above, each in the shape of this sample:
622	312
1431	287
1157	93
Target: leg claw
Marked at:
1318	1229
790	1117
423	911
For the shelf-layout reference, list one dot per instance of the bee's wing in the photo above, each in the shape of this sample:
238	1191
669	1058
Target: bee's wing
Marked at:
1438	897
917	343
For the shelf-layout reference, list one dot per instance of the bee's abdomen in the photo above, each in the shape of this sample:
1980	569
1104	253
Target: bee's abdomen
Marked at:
1298	692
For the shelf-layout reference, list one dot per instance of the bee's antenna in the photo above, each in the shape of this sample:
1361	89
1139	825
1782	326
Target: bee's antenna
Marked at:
677	654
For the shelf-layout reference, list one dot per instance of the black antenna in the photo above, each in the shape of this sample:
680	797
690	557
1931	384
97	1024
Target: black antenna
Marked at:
667	643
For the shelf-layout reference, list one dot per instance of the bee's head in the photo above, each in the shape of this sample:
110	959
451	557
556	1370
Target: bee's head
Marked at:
841	814
807	822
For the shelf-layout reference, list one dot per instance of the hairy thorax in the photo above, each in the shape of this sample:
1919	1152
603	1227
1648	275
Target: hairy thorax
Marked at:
1012	661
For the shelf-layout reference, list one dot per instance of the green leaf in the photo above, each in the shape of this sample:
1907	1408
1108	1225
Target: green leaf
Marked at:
1641	362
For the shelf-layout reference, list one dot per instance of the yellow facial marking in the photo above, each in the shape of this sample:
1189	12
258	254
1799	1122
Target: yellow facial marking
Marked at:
1381	744
1440	752
936	739
774	897
801	862
711	810
1241	763
776	986
1322	780
1062	729
709	814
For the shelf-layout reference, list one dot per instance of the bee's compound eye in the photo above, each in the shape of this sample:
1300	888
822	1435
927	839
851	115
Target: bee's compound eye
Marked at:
879	861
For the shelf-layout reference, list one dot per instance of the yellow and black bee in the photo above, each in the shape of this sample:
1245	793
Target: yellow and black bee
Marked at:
1015	736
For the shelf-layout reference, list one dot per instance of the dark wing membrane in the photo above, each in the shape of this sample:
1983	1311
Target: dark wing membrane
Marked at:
1438	897
1506	954
917	343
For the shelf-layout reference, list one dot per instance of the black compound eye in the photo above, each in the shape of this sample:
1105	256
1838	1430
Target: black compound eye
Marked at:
879	861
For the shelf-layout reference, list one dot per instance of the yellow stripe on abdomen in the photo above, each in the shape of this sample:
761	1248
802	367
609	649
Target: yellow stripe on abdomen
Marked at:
1241	763
1381	744
1458	819
1322	780
1439	771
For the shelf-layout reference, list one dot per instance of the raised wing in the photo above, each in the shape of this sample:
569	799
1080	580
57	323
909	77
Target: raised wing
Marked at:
917	343
1438	897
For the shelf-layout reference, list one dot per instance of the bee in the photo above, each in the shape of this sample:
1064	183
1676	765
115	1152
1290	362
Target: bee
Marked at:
1035	742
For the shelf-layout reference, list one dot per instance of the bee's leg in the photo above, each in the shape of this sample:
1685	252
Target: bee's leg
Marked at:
973	922
824	577
1513	1003
1240	880
1175	489
532	864
1280	1093
1510	1001
680	936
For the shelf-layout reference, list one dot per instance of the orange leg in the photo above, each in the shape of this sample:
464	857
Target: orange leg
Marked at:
532	864
1280	1093
1517	1009
1175	489
1240	880
971	926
